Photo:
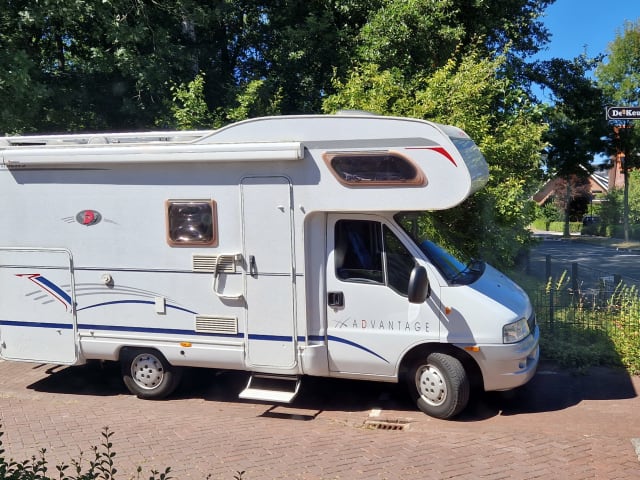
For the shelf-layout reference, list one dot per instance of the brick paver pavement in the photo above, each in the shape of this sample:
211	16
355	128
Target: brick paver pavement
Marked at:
559	426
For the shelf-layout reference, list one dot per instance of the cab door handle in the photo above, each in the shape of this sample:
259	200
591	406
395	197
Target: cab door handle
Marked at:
335	299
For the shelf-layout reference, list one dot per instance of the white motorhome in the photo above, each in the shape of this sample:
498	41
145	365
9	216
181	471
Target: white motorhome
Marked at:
283	246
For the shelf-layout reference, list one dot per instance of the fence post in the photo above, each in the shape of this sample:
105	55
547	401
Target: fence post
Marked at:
547	267
574	277
551	309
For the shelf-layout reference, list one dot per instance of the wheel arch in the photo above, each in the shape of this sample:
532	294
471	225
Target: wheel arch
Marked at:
127	350
472	368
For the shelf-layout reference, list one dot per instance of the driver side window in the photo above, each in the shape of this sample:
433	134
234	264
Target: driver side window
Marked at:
367	252
358	251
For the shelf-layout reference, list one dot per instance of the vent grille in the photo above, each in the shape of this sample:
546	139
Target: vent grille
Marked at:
207	263
211	324
393	424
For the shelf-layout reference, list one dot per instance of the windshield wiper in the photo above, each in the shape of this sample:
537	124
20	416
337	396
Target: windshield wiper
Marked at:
474	265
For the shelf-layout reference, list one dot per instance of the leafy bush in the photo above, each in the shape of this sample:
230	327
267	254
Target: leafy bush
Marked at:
101	467
578	348
617	231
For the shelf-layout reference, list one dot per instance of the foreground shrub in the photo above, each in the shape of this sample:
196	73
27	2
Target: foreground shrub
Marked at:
101	467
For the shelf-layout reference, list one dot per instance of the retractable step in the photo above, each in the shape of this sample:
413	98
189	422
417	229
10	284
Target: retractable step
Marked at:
271	388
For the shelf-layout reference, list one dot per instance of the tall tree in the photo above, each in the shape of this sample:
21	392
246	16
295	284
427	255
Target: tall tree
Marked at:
619	78
576	122
91	65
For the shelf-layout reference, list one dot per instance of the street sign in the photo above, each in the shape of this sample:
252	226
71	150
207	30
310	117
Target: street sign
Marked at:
623	113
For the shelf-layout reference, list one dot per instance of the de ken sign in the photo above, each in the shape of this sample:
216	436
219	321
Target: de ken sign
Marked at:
623	113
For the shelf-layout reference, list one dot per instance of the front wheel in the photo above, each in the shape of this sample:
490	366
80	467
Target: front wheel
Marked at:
439	385
147	374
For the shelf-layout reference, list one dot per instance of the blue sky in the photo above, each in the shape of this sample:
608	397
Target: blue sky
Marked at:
591	24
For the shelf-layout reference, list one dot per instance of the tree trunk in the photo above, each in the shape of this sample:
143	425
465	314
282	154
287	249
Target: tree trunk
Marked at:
625	198
567	207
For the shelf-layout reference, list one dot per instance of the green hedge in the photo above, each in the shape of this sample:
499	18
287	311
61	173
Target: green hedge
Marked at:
617	231
542	224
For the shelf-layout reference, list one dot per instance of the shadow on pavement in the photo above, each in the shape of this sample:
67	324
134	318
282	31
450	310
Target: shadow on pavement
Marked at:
550	390
93	378
553	389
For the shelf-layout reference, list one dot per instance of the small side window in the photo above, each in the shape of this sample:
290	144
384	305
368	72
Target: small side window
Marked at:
191	223
365	169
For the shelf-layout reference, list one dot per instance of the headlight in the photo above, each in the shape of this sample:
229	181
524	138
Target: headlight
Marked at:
516	331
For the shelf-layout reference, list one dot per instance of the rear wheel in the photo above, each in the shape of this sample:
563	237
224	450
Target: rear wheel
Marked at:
439	385
147	374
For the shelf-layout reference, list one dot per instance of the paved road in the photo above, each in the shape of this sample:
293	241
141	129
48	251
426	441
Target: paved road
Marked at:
558	426
595	262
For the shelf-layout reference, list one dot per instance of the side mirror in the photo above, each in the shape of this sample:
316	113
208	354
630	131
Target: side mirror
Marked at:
419	288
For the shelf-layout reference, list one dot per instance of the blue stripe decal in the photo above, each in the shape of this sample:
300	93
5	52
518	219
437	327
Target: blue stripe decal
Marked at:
143	302
353	344
116	328
271	338
174	331
47	283
59	326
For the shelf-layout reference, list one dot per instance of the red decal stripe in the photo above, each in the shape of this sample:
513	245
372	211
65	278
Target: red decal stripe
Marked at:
441	150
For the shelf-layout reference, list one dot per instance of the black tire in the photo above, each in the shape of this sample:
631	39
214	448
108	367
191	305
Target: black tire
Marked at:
147	374
439	385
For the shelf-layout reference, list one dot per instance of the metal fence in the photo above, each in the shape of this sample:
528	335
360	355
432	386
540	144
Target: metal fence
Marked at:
563	311
578	277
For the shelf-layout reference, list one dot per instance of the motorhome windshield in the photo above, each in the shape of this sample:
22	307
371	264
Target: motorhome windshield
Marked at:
455	270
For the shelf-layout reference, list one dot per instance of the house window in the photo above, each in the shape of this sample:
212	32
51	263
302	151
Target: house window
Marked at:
364	169
191	223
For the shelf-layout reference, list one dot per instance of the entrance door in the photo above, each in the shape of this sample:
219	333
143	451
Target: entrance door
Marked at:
269	255
37	314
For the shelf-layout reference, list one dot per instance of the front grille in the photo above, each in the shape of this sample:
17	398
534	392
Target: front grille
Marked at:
532	322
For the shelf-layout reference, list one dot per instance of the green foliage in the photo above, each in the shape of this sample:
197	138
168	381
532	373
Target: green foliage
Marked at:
255	100
586	330
189	107
100	467
619	77
556	226
421	36
69	65
546	214
611	209
578	348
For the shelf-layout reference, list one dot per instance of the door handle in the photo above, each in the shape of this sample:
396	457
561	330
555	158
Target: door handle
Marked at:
253	269
335	299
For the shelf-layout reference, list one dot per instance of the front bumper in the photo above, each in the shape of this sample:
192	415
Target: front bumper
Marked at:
508	366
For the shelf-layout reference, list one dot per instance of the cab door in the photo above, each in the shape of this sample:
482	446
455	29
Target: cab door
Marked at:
370	322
